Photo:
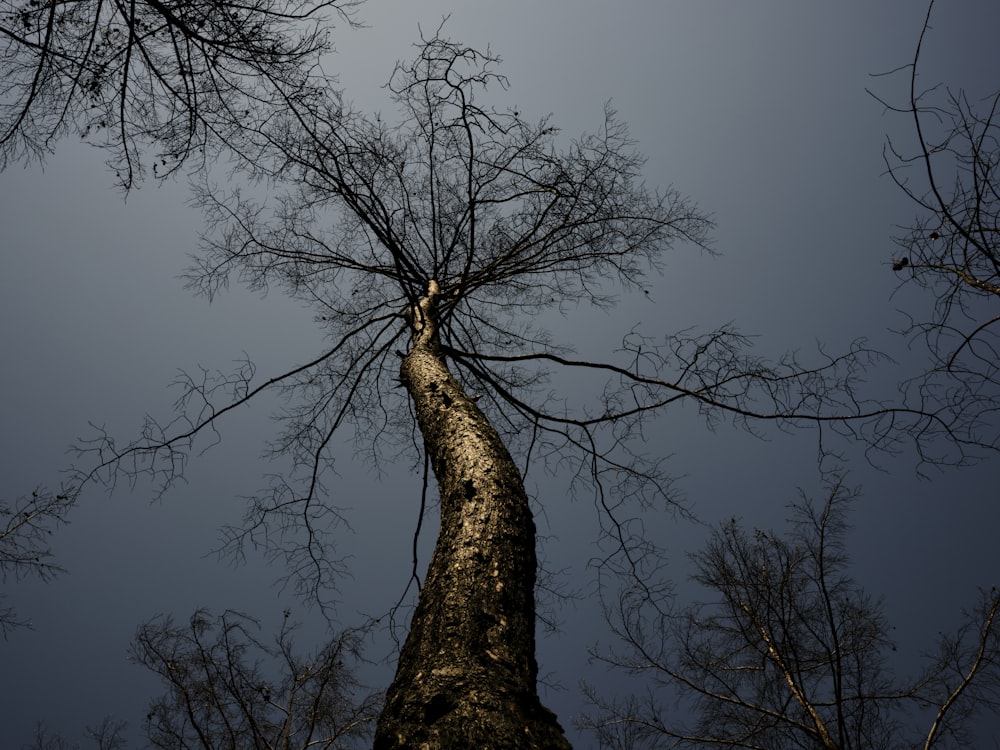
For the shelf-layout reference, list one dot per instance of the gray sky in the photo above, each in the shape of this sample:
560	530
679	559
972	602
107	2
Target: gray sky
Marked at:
755	109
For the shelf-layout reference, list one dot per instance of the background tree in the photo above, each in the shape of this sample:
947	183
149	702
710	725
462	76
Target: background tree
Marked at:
25	527
430	249
177	75
108	735
227	688
952	249
791	652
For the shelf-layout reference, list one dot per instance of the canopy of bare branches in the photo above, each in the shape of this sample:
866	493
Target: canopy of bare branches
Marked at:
948	167
789	651
225	687
179	77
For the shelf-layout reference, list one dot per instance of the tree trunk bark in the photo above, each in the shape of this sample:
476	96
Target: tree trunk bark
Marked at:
466	676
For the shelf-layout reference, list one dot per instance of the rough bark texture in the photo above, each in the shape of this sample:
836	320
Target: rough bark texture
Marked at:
467	673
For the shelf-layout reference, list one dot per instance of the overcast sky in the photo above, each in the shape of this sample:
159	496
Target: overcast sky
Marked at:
755	109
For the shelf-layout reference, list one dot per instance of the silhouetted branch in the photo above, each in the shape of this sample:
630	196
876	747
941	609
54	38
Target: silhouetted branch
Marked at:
952	249
180	77
227	688
25	549
512	221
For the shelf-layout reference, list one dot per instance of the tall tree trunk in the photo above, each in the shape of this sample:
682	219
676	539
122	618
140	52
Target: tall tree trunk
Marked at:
467	673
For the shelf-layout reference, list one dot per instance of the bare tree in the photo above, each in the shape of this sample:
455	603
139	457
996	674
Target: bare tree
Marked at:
790	652
430	249
177	75
226	688
25	552
952	249
108	735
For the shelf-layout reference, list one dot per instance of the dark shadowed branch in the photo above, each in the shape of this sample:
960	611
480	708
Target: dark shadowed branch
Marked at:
948	168
26	525
178	76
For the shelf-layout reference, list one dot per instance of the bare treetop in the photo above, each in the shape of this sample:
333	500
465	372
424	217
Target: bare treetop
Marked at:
180	76
478	199
510	219
789	651
226	687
